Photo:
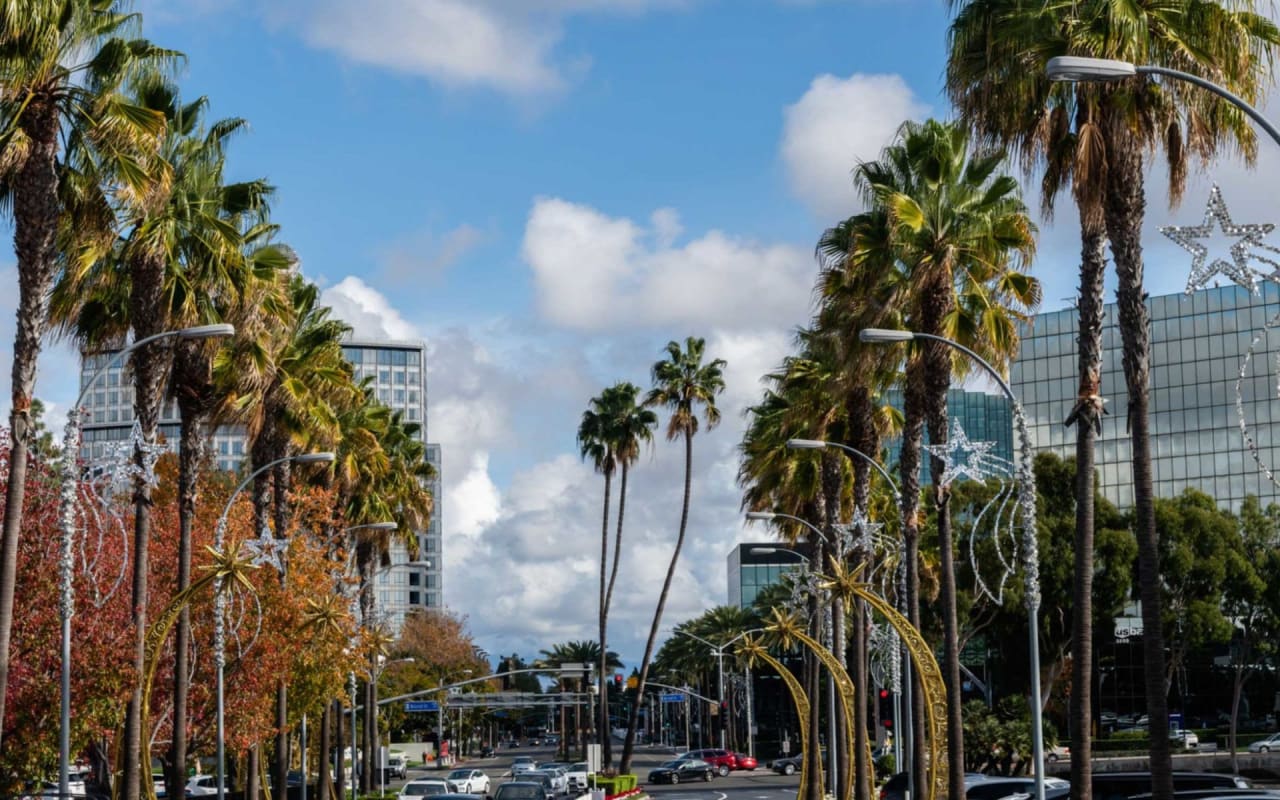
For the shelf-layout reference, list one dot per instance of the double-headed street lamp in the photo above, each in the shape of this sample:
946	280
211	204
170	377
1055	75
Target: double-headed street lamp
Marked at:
717	650
220	606
1027	508
67	519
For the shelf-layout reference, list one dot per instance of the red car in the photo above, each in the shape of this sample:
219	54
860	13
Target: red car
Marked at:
745	761
722	760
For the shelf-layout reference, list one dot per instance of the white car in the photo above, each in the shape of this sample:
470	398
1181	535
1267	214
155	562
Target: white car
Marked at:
578	774
470	781
1266	745
426	786
559	779
398	765
522	764
202	786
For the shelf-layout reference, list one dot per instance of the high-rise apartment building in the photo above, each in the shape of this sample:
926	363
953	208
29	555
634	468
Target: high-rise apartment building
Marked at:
397	373
1198	348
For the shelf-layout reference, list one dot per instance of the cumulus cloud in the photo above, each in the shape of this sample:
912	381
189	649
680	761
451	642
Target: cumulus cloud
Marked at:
512	46
366	310
834	125
592	271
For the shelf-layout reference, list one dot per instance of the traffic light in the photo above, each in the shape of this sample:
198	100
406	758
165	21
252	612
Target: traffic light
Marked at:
885	707
617	681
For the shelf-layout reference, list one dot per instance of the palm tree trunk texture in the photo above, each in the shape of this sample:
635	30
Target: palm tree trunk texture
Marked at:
1125	205
628	746
189	453
252	783
369	776
863	435
35	222
324	782
608	601
150	370
602	609
340	746
913	412
1089	345
938	376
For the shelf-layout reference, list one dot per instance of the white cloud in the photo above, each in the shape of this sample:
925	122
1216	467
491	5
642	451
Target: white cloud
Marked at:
593	271
834	125
366	310
512	46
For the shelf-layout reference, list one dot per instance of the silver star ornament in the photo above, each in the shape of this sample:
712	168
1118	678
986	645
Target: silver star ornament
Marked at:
267	550
961	457
1237	269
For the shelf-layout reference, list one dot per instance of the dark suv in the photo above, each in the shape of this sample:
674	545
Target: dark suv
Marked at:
724	761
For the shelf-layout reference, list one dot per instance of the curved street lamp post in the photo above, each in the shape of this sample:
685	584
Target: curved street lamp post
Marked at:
220	607
1027	508
67	519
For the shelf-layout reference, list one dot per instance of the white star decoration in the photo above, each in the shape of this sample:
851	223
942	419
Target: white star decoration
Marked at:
961	456
1237	269
267	550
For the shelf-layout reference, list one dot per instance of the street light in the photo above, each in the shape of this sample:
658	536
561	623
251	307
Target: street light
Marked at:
908	689
831	680
1081	69
1027	507
371	714
718	652
67	519
220	605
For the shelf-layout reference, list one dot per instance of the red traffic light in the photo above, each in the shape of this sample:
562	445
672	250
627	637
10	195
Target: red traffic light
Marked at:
884	694
617	681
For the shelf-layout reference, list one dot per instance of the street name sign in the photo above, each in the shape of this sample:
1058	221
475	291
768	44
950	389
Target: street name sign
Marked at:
422	705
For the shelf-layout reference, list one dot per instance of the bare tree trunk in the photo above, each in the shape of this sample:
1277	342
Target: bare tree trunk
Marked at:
1088	417
1125	205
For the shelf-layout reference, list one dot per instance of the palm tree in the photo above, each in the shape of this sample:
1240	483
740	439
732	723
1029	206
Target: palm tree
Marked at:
1093	138
63	63
682	382
961	231
576	652
611	434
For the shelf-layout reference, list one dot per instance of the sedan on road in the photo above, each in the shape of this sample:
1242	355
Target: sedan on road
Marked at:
520	790
426	786
470	781
682	770
1266	745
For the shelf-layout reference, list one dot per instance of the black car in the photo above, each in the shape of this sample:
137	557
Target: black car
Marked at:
681	770
521	790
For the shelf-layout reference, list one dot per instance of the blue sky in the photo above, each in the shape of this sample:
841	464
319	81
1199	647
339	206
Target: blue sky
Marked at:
547	191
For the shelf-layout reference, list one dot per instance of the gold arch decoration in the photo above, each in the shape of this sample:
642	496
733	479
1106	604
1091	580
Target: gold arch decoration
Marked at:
228	567
786	626
751	650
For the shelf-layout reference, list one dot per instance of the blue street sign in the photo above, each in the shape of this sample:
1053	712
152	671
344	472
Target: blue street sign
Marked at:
422	705
672	698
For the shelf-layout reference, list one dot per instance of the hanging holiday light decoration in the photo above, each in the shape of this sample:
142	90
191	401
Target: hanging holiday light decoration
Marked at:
1249	442
1245	248
962	457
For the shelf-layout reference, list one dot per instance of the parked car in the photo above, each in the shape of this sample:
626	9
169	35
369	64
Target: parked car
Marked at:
1057	753
559	778
682	770
723	760
1266	745
1185	738
744	761
469	781
578	775
520	790
416	789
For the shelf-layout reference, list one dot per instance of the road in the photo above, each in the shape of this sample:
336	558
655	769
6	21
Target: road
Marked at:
759	784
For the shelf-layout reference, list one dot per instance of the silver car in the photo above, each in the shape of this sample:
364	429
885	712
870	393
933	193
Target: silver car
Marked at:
1266	745
559	778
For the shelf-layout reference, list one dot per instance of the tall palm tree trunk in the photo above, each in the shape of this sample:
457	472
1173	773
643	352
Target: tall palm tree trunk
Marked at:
603	611
608	599
324	781
628	746
1125	205
831	491
35	222
1089	342
913	413
863	435
938	382
150	369
340	776
190	449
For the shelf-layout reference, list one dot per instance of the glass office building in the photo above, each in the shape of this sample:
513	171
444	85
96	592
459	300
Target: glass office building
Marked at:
756	566
983	417
1199	345
397	373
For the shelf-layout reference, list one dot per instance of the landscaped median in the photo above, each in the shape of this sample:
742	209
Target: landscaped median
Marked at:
617	787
